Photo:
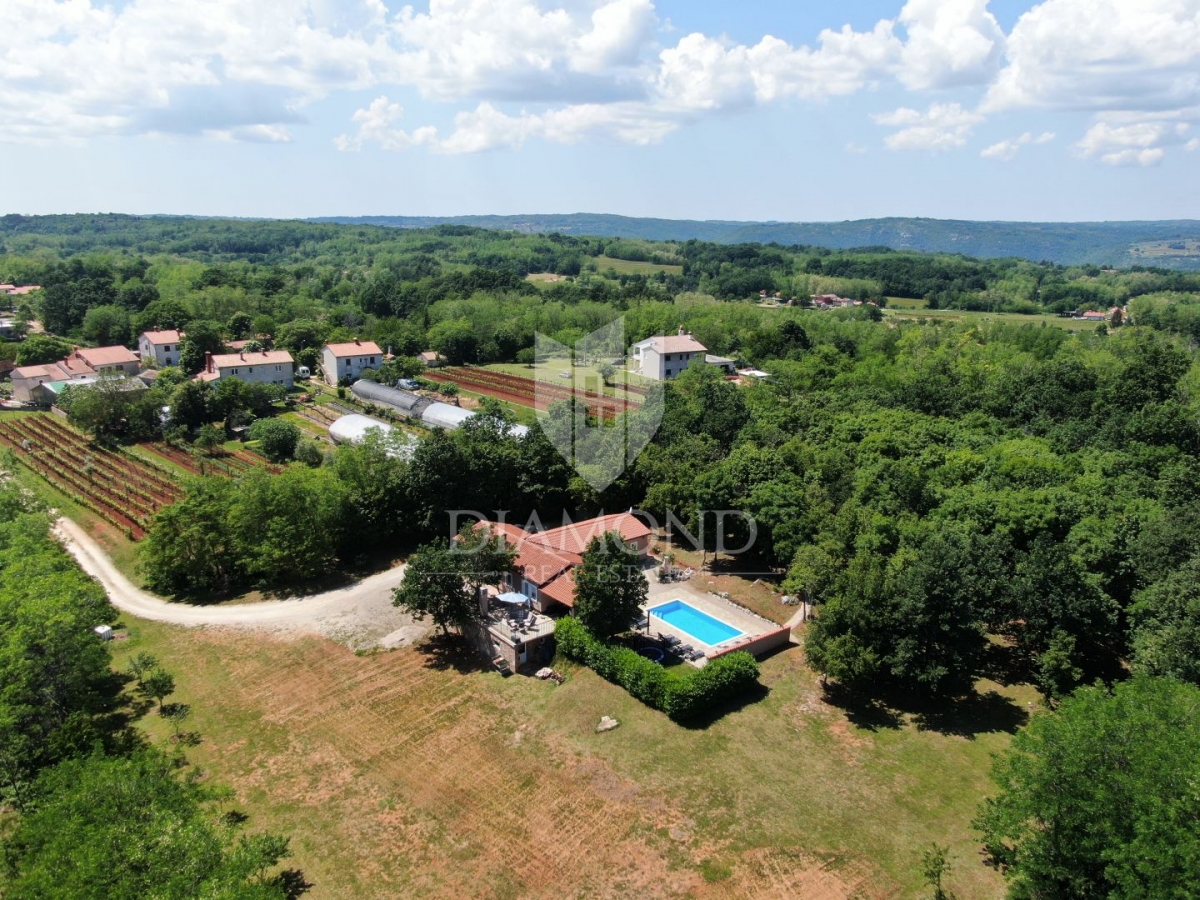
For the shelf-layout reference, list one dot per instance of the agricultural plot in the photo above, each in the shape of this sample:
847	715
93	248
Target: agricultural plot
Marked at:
526	391
231	465
122	490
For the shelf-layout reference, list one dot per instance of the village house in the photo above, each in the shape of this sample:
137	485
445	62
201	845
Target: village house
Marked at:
342	363
431	359
42	383
260	366
545	559
664	357
160	347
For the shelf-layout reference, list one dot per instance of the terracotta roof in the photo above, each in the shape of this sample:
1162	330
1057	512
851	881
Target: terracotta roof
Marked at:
678	343
256	358
106	356
538	563
575	538
44	371
355	348
163	337
429	354
24	289
561	589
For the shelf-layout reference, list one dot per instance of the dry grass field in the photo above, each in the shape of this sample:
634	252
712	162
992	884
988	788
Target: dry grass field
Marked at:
415	774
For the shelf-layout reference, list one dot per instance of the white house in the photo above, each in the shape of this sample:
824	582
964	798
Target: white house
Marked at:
261	366
110	360
347	361
160	346
662	358
82	366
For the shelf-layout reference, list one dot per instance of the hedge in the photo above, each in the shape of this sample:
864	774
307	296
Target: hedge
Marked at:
679	696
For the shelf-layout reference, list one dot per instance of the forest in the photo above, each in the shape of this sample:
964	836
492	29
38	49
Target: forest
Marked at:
959	500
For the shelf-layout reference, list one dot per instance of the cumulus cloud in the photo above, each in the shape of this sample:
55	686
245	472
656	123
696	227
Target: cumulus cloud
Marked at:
950	43
1102	55
943	126
1007	150
71	69
1133	144
377	124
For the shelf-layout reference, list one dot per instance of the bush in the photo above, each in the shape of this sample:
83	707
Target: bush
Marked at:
277	438
680	697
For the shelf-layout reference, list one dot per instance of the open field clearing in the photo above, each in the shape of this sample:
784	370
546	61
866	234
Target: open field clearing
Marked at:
413	773
630	267
960	315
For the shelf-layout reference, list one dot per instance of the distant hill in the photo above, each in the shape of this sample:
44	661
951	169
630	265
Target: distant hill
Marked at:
1170	244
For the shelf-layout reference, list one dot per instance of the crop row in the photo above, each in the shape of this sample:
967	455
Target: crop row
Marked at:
100	500
60	439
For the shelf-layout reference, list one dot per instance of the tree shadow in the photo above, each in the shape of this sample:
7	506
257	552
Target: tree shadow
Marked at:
293	883
863	711
450	651
967	716
970	716
754	694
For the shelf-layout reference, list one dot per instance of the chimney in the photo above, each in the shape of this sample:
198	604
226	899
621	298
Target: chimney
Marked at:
208	363
242	356
680	331
357	341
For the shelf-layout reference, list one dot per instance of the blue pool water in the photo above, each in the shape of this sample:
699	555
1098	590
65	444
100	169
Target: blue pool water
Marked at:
695	623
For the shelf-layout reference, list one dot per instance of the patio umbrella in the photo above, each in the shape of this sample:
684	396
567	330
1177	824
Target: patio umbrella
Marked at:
513	598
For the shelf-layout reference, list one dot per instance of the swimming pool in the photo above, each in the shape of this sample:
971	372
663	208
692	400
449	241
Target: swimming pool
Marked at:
694	623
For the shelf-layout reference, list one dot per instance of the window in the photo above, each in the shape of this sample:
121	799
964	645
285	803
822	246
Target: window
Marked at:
348	363
279	368
235	371
372	360
250	370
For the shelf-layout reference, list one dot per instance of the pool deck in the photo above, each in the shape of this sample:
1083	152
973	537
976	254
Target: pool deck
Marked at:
739	617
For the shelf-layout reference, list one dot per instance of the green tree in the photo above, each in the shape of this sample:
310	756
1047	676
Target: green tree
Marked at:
106	325
39	348
190	550
240	325
159	685
610	586
108	828
277	438
202	337
1166	625
209	438
435	587
607	370
1098	799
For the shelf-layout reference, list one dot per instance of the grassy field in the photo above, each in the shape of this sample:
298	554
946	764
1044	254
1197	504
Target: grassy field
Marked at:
629	267
959	315
413	773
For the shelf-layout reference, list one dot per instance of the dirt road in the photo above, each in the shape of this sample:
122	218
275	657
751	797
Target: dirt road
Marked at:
359	614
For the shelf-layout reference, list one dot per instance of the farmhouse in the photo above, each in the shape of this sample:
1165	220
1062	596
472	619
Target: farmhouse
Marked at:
160	347
431	359
81	366
545	559
345	362
263	367
662	358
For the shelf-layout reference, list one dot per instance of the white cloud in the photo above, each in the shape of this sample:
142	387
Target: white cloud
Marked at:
1192	145
1133	144
1102	55
1007	150
944	126
857	149
950	43
376	124
71	70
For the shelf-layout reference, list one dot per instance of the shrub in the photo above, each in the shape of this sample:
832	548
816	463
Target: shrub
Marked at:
680	697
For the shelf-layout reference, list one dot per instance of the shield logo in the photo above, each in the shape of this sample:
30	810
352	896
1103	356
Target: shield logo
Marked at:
598	424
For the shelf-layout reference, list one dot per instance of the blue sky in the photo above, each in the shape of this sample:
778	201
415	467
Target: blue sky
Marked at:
806	111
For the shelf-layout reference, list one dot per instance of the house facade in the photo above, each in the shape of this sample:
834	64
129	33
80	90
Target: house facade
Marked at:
664	357
83	365
261	367
347	361
160	347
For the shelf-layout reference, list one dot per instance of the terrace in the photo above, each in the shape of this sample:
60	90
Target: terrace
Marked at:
521	637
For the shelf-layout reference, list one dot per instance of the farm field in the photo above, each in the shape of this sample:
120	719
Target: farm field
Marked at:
960	315
121	489
630	267
413	773
551	370
523	390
